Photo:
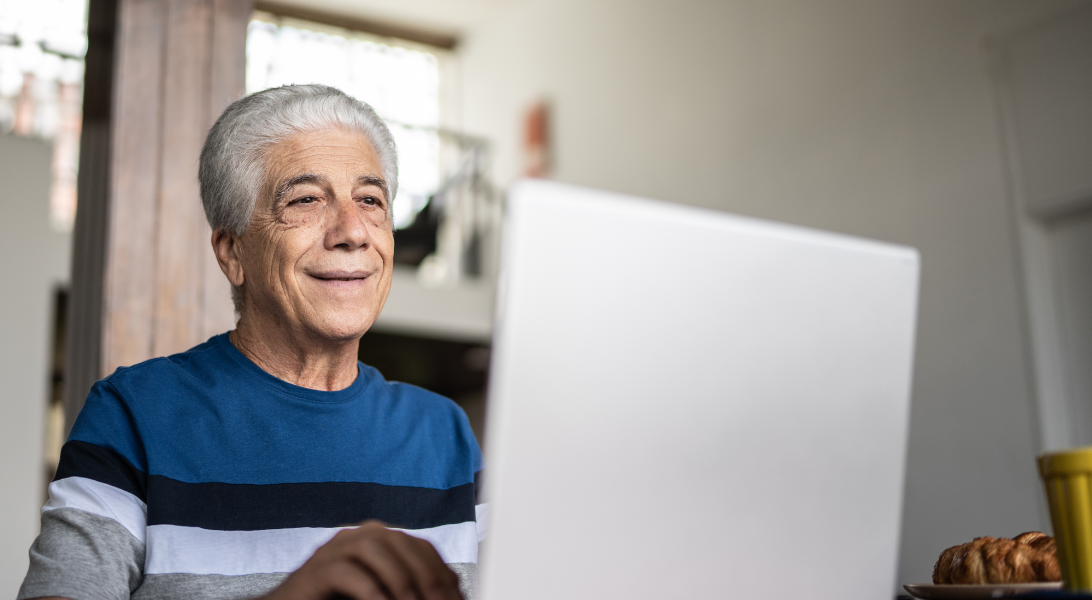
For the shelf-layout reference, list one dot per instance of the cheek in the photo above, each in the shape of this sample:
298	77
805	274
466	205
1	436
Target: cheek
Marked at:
282	250
378	220
383	238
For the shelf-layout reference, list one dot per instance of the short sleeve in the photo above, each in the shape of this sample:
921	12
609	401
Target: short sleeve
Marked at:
93	526
83	556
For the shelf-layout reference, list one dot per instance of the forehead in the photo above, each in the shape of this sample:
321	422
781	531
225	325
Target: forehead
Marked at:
332	152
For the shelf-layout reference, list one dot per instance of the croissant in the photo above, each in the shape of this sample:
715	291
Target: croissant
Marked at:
1027	558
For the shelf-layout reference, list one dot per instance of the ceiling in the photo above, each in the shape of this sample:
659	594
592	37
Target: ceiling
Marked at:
451	17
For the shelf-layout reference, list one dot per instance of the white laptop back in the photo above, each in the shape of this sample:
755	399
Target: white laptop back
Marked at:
689	404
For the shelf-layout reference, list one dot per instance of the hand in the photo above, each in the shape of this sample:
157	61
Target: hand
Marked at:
371	562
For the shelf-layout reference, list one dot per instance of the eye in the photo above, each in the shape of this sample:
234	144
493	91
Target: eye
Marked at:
304	200
371	201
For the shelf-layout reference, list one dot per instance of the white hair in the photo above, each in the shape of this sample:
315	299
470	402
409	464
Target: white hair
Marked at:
232	171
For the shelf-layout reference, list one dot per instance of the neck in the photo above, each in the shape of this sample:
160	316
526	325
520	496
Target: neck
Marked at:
315	364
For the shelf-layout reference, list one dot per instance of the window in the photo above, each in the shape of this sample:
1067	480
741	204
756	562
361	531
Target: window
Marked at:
400	80
42	44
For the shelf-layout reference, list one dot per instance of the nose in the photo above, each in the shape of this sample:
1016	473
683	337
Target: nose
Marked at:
346	227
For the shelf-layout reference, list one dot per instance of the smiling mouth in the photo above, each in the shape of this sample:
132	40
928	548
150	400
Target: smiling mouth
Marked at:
340	276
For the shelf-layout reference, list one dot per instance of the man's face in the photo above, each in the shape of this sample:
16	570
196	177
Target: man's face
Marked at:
317	256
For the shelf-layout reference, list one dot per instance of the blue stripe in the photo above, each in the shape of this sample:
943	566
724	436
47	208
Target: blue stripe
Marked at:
235	507
80	459
210	415
105	421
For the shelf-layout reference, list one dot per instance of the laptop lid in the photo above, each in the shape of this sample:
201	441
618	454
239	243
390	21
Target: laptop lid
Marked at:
687	403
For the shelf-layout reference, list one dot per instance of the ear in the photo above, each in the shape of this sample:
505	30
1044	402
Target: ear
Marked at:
225	246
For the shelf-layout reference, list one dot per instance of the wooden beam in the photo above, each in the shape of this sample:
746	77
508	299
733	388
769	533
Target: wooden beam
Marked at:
129	278
180	220
372	26
145	283
227	83
83	337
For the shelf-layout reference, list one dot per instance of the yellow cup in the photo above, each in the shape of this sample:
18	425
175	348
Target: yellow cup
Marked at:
1067	477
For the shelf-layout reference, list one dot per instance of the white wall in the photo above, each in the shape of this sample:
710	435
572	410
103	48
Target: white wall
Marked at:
35	259
871	118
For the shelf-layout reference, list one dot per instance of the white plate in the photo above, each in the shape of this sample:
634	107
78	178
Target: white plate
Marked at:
930	591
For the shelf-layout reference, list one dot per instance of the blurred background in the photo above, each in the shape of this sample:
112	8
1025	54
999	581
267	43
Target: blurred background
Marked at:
963	128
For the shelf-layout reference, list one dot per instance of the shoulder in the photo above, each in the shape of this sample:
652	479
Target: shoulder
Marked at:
412	400
157	371
159	388
410	397
436	418
112	408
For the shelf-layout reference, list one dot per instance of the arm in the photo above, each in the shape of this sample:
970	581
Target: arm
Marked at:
82	554
93	526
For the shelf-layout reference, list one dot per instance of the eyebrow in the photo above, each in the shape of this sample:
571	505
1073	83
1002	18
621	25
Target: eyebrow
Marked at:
376	181
320	180
287	186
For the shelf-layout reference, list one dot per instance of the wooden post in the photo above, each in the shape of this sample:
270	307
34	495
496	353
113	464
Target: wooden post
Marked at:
145	283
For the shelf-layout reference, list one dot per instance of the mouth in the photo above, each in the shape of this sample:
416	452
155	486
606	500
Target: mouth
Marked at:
341	277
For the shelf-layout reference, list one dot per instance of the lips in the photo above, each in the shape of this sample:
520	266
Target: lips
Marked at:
337	275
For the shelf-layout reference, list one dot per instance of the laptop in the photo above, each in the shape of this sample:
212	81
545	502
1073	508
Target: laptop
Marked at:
685	403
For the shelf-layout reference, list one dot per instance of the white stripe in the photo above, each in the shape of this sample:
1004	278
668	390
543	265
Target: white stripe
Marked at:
481	515
176	549
456	543
100	499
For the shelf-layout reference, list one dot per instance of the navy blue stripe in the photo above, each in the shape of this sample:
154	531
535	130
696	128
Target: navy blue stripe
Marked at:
81	459
478	487
243	507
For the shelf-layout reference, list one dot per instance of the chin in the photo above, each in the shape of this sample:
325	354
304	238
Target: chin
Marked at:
338	330
342	320
344	334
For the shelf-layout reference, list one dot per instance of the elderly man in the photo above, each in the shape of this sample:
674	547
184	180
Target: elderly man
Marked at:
237	469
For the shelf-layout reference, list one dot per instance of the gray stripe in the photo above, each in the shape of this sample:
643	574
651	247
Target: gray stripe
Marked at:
468	579
236	587
211	587
83	556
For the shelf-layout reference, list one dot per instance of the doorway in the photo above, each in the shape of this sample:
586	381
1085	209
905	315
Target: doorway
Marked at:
1044	90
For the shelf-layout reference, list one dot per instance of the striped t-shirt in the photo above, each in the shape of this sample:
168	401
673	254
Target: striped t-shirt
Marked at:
200	475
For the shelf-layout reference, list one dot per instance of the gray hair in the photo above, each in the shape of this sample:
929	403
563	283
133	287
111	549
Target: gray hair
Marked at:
233	162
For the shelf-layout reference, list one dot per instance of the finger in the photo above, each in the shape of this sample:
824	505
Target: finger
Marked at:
432	578
399	561
374	552
354	581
